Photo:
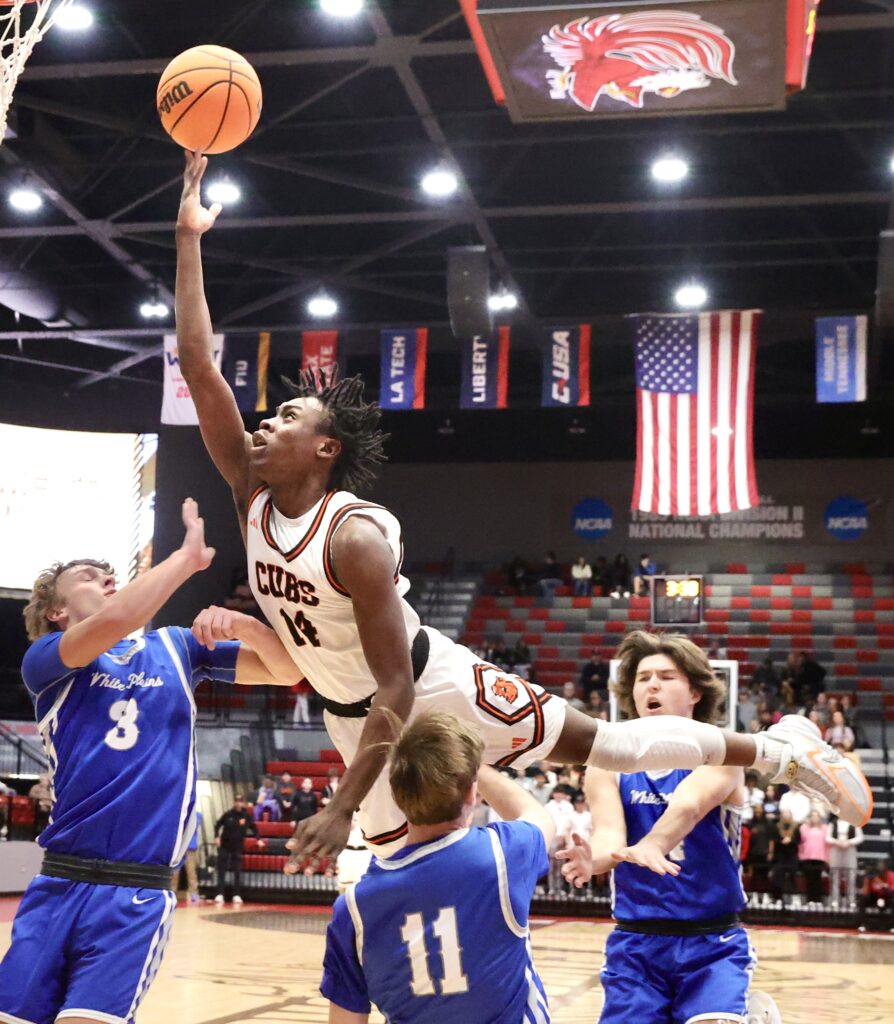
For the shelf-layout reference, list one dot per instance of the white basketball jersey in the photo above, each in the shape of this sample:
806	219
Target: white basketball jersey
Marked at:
291	575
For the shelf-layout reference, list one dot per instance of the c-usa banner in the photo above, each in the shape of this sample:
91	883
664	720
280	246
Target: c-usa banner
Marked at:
566	366
245	364
485	371
403	369
841	359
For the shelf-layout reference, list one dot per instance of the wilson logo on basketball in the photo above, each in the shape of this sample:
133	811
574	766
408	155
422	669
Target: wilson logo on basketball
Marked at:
506	689
626	56
176	94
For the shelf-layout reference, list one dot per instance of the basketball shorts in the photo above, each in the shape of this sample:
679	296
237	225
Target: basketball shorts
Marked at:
519	722
676	979
83	950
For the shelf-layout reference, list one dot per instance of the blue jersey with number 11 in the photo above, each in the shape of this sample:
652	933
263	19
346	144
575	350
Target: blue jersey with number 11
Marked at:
119	734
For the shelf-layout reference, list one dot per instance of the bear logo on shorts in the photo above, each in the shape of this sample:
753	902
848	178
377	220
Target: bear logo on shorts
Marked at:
506	689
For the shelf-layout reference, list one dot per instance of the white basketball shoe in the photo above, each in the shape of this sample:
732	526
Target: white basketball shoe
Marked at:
813	767
762	1009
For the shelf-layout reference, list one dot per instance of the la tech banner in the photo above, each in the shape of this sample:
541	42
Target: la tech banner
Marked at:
403	369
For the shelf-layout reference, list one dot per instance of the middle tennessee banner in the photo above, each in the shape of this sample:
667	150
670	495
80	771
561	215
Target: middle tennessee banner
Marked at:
319	350
841	359
245	364
403	369
485	371
566	366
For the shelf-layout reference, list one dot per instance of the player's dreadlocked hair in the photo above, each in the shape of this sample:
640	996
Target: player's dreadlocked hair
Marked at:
352	421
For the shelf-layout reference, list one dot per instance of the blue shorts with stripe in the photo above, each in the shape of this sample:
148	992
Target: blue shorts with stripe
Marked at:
83	950
676	979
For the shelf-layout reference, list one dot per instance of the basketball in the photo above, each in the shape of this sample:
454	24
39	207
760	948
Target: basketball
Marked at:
209	99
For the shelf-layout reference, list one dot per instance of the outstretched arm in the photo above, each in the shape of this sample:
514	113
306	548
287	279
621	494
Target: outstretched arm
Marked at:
583	860
132	607
219	418
262	660
513	803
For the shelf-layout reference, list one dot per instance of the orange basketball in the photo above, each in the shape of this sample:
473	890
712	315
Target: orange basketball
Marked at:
209	98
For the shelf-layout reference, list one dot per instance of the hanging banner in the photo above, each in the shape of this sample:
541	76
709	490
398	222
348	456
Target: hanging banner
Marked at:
319	351
176	405
485	371
403	369
245	364
566	367
841	359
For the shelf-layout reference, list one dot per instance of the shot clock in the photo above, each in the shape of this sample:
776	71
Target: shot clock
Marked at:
677	600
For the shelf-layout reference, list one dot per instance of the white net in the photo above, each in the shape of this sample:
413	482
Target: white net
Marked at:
23	23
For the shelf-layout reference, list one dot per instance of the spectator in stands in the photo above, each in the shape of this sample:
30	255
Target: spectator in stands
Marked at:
809	678
620	576
520	659
229	834
265	801
594	676
6	794
190	864
569	692
306	803
285	795
518	576
771	802
746	712
817	718
301	712
42	795
602	576
560	808
824	707
765	678
842	841
797	804
538	785
550	576
813	857
582	575
839	731
754	796
852	717
498	654
645	569
331	786
789	700
758	858
784	857
847	748
596	707
878	889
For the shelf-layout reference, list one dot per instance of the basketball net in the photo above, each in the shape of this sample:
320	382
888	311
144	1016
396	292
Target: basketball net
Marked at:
23	23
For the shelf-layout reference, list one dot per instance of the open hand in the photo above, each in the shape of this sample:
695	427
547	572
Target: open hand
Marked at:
647	854
578	866
193	218
324	834
194	547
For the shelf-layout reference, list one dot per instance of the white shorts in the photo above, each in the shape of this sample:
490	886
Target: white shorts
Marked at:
519	722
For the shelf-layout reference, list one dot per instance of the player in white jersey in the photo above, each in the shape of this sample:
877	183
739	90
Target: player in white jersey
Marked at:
325	568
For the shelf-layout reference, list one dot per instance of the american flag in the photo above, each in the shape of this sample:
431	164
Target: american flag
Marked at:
695	397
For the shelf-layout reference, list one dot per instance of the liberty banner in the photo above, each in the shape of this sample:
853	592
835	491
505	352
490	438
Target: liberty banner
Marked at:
485	371
403	369
841	359
319	351
566	367
177	406
245	364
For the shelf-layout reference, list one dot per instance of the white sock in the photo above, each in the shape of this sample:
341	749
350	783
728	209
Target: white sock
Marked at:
768	754
652	744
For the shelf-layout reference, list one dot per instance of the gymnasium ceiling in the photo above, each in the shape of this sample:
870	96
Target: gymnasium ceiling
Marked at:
781	211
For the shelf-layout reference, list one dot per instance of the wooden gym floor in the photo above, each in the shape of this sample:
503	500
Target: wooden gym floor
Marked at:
262	964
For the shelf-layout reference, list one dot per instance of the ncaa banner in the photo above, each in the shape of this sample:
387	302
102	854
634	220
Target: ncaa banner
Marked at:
403	369
566	367
485	371
245	368
319	351
841	359
176	405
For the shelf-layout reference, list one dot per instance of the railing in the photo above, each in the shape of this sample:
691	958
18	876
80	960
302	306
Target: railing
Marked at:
17	757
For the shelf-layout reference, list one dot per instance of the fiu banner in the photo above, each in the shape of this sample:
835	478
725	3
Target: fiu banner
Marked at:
319	350
485	371
566	366
176	405
841	359
245	368
403	369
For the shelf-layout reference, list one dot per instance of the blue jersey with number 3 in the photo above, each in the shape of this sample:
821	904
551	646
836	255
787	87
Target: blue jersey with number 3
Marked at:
438	933
119	735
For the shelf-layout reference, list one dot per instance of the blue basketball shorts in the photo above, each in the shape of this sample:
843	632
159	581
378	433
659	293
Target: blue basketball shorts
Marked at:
676	979
83	950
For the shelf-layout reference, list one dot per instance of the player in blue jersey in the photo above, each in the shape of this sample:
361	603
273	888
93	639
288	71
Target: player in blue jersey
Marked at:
678	953
438	932
116	716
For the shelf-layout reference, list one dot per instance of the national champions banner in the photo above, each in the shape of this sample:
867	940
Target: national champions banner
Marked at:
319	351
403	369
841	359
566	367
245	364
176	405
485	371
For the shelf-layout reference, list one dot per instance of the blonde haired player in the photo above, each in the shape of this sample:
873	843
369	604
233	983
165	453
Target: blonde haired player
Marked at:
324	566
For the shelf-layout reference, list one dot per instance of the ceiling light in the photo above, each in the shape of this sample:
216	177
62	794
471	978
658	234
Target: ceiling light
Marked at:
691	296
223	191
27	200
154	310
670	168
321	307
502	301
440	183
74	18
341	8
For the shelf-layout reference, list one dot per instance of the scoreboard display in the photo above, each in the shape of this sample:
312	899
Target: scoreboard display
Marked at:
677	600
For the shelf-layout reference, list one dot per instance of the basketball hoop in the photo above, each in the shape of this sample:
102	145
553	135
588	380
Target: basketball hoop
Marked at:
23	23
